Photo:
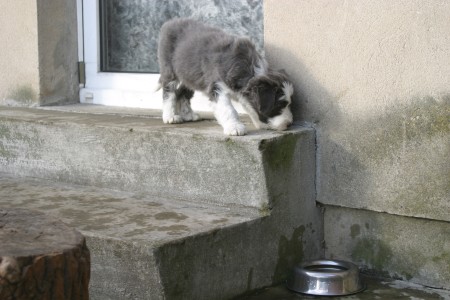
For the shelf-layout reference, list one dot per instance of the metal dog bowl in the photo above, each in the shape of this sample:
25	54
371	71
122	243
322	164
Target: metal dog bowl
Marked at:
326	278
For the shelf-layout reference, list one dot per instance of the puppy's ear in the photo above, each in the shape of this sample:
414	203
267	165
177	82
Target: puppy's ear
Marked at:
278	75
239	64
283	72
238	76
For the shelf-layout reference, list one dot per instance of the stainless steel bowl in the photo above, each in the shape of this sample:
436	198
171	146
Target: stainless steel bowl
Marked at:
326	278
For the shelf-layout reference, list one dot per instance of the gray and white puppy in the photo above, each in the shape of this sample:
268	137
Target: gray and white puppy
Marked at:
196	57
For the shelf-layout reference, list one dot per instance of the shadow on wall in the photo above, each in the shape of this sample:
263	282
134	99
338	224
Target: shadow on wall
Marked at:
312	102
316	107
393	159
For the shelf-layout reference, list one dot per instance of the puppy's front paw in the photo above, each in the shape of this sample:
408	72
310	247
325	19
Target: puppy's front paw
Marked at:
234	129
191	117
196	117
173	119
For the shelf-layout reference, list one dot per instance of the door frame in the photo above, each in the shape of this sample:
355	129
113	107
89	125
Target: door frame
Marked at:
108	88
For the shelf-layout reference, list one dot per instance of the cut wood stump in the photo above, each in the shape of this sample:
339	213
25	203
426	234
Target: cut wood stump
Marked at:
41	258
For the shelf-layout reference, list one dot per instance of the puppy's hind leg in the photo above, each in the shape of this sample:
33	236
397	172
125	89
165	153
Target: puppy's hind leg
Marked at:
170	114
184	96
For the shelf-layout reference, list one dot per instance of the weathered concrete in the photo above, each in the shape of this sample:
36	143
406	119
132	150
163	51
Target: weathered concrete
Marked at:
164	238
405	248
157	248
191	161
58	52
122	229
38	65
382	289
373	79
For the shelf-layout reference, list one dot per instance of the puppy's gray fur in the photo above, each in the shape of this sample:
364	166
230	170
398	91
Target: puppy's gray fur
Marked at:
196	57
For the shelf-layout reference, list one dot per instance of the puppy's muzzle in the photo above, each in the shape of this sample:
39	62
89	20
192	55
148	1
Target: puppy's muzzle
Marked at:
283	126
282	121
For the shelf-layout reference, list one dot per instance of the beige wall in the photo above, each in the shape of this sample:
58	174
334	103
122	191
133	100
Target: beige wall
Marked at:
19	74
374	77
38	61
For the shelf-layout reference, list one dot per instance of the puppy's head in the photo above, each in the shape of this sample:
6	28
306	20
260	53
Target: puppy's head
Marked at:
269	100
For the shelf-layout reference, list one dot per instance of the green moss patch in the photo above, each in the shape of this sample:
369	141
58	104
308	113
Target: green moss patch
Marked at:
279	155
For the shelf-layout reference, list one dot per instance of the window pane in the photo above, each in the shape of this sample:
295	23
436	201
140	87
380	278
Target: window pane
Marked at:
129	29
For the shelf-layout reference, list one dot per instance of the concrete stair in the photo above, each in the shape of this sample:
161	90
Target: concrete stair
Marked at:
169	211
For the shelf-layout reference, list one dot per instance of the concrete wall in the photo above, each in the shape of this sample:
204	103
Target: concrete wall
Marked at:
58	51
38	65
373	77
405	248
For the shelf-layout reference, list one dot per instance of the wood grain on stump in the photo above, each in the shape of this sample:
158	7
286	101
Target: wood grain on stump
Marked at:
41	258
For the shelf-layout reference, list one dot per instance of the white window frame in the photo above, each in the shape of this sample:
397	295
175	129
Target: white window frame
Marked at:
115	89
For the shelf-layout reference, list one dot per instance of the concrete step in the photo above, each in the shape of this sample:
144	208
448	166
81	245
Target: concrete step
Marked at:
153	248
169	211
132	150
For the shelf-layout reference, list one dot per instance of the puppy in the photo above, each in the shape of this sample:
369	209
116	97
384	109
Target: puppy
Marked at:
195	57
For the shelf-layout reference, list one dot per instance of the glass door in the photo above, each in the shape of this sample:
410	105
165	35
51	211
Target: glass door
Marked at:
109	79
119	40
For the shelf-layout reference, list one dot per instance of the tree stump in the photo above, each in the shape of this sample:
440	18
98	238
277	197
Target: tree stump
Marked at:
41	258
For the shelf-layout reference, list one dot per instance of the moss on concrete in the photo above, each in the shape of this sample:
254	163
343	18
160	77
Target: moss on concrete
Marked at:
12	137
392	246
377	257
279	155
265	209
444	260
394	161
419	199
170	216
290	253
374	252
355	231
24	94
5	134
418	122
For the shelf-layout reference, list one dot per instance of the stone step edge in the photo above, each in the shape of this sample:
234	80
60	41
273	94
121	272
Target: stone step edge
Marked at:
127	260
237	176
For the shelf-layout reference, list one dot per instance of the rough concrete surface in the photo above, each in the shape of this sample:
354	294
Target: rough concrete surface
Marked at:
58	52
153	248
142	246
190	161
417	250
373	79
122	229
